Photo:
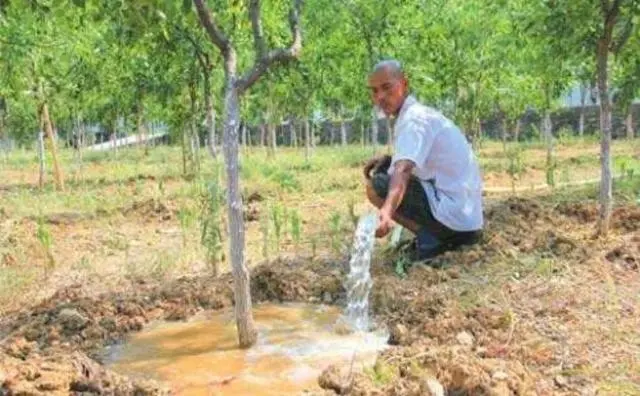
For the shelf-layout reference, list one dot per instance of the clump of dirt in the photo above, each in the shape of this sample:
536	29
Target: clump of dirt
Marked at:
294	280
67	373
624	218
140	176
65	218
626	255
149	207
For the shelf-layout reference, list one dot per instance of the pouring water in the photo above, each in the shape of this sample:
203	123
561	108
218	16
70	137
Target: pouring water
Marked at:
358	283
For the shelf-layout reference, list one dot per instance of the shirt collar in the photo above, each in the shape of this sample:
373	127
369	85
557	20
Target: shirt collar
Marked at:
409	101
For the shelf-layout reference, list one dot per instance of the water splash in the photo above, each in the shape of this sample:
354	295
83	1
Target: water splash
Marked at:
358	283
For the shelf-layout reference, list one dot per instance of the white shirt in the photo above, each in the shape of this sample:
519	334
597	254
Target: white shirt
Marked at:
444	164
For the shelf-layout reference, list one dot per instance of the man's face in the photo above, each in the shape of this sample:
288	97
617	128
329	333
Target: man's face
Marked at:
387	91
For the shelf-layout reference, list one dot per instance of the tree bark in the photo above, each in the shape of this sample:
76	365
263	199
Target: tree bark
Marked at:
244	319
193	129
57	172
517	131
343	132
504	132
294	135
262	135
629	122
547	129
272	139
114	136
210	116
602	65
184	151
41	174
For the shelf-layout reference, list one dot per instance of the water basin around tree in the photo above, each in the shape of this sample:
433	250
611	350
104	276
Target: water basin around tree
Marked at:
201	357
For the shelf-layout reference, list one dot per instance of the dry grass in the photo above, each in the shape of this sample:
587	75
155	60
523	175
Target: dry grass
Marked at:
96	238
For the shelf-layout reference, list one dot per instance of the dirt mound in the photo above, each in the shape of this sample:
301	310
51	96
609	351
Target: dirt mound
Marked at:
624	218
296	280
149	207
67	373
626	255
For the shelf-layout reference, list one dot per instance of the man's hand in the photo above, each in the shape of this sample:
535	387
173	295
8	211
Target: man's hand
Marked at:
397	188
385	223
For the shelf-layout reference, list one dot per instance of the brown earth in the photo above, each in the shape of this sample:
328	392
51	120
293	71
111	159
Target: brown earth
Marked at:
541	306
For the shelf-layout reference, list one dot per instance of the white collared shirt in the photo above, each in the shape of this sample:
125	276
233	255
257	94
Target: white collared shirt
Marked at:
444	164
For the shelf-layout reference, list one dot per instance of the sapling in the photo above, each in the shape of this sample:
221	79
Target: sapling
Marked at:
276	217
516	167
211	232
46	240
264	229
334	230
295	228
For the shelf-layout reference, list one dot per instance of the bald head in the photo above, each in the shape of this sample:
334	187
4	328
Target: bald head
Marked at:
388	86
391	66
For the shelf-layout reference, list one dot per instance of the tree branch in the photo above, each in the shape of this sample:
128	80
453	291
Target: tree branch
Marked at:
604	7
201	55
616	45
217	37
265	60
256	24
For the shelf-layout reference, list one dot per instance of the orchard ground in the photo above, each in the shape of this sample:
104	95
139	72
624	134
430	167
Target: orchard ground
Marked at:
541	306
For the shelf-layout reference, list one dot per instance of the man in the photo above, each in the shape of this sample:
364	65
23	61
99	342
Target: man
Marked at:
432	184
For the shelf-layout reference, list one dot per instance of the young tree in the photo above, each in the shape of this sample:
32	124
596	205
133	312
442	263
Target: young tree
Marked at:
235	86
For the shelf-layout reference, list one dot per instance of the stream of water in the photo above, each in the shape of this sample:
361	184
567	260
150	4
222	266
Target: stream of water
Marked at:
358	283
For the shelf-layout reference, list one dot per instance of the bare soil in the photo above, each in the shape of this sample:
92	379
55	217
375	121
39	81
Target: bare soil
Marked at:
540	306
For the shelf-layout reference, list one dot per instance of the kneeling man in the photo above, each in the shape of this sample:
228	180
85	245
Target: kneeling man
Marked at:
431	185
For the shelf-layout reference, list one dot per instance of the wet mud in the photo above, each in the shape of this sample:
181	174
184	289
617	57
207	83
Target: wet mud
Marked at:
510	343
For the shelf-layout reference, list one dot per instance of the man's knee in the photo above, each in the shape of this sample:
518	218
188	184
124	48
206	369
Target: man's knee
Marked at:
377	188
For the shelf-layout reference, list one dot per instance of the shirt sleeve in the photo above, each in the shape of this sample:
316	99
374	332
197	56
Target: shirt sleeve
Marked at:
414	139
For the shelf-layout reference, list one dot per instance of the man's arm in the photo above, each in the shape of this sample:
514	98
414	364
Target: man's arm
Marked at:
397	188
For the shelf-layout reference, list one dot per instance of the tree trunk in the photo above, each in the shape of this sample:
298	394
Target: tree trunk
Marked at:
210	116
114	136
193	129
547	130
57	172
142	129
243	135
516	134
606	196
583	98
247	333
3	115
343	132
374	130
504	132
262	135
272	139
184	152
629	122
41	175
307	140
294	135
